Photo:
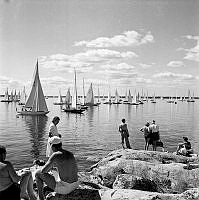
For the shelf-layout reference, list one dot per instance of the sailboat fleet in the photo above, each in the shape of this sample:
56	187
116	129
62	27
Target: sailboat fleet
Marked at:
35	103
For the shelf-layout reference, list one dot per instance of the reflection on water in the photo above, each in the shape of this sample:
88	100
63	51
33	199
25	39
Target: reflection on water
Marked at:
36	126
95	132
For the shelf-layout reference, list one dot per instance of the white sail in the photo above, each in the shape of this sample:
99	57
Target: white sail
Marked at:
117	98
68	97
109	95
98	101
6	97
83	94
74	98
129	97
90	97
36	100
60	100
23	96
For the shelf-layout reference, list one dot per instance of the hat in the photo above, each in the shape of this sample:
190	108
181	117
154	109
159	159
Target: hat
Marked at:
55	140
55	118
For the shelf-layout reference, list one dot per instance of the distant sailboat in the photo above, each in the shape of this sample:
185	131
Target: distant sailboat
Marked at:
6	97
98	96
134	100
60	100
190	98
109	98
90	97
117	98
75	108
153	99
126	98
36	103
23	97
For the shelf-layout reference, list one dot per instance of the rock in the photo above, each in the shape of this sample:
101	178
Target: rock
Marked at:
137	175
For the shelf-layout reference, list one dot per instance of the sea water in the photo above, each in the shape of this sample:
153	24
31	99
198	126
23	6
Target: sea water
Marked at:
93	134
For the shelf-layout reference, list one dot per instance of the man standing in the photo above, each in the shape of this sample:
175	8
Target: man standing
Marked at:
154	129
67	170
52	132
9	187
124	134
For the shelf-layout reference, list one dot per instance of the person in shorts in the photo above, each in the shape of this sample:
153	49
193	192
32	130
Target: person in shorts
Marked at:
65	163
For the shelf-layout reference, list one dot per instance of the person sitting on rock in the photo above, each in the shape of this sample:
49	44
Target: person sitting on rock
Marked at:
9	181
184	148
65	163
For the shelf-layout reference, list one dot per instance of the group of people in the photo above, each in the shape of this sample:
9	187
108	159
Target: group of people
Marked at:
150	132
152	137
64	162
21	187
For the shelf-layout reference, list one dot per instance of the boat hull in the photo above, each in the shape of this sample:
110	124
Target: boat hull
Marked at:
78	111
8	101
32	113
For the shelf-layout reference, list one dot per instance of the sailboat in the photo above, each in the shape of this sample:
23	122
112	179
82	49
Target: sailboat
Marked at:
75	107
109	98
126	98
60	100
23	97
90	97
6	97
134	100
117	98
190	98
153	99
36	103
98	97
68	98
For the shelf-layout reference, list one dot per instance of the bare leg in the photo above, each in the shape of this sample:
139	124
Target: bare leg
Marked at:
30	189
24	184
40	179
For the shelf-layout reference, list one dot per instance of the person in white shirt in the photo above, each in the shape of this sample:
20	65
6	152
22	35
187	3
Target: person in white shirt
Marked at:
53	131
155	137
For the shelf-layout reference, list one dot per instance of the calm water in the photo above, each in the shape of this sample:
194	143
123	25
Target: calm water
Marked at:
95	133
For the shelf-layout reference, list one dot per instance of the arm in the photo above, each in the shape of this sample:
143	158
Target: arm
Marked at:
49	163
15	178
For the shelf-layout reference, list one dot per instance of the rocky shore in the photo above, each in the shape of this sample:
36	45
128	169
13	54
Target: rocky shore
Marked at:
138	175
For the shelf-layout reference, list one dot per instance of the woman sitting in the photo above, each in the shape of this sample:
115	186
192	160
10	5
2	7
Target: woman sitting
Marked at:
184	148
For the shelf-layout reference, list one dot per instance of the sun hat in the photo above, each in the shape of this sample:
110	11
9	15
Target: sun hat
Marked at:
55	140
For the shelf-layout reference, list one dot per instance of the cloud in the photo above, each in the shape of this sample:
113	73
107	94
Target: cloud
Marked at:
174	76
83	61
192	53
175	64
8	82
145	66
120	66
128	38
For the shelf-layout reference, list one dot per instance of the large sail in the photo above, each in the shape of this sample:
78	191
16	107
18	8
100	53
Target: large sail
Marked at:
90	96
36	100
74	98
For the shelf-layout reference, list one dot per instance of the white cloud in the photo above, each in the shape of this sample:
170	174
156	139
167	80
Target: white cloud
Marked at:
192	53
175	64
145	66
10	83
128	38
174	76
120	66
83	61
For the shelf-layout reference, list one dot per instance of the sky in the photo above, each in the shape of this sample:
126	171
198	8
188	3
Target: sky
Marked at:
143	45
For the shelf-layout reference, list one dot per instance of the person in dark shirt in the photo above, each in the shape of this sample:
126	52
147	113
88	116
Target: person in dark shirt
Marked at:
124	134
184	148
